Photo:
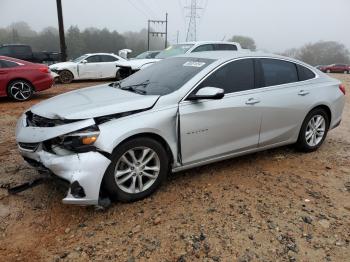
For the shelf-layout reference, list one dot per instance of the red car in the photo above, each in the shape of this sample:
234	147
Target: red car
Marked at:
336	68
21	79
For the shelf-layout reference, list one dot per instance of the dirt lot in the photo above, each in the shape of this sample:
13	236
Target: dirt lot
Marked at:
278	205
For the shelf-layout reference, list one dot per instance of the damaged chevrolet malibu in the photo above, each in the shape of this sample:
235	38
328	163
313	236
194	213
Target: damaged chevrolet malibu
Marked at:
121	140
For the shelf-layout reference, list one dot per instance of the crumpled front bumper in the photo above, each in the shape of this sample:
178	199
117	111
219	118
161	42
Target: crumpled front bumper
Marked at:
87	169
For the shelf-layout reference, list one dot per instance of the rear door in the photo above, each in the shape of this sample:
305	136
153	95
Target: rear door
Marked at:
284	100
107	66
214	128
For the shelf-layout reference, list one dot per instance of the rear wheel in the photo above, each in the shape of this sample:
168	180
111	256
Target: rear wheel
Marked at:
65	77
20	90
138	168
313	130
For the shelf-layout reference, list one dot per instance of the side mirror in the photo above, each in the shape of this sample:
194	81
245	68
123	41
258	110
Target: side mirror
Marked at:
207	93
84	61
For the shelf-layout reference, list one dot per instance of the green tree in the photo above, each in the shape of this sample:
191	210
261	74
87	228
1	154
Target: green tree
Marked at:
245	41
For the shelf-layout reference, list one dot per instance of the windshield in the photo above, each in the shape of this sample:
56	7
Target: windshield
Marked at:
142	55
174	50
164	77
77	60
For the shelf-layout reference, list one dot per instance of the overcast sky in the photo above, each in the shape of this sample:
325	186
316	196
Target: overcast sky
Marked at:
276	25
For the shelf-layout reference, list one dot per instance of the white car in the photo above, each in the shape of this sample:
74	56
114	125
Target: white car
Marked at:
88	66
129	67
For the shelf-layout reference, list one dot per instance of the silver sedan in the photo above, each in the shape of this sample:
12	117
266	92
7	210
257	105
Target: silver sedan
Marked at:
124	138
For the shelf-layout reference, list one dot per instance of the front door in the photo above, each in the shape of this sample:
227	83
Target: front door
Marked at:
214	128
90	69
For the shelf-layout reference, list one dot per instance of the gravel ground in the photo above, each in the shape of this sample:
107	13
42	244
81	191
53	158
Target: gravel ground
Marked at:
277	205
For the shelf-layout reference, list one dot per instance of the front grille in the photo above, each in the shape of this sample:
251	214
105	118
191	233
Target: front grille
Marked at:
40	121
29	146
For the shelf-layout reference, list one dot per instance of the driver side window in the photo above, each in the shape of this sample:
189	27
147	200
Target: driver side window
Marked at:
233	77
203	48
93	59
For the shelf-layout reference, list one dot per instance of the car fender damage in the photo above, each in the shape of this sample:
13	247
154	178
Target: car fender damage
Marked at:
41	142
86	168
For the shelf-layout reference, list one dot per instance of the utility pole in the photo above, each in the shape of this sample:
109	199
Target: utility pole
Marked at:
158	33
63	46
192	24
177	37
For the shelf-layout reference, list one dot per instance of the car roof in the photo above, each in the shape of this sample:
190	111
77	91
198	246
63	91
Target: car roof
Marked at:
101	54
8	58
207	42
223	56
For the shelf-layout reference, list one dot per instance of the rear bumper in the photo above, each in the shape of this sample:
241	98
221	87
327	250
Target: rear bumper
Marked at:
44	83
85	169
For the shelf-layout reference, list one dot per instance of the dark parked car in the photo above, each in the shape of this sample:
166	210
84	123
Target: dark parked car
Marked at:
24	52
336	68
21	79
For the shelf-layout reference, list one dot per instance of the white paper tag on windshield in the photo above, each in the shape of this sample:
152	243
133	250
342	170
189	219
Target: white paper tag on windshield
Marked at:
194	64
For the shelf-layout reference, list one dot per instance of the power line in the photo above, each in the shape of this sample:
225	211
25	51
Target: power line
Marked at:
147	7
140	10
192	24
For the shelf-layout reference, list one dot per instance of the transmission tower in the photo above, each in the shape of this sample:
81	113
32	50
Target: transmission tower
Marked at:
192	24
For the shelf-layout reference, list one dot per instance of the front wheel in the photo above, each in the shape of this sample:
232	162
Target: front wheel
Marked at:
20	90
138	168
65	77
313	130
328	71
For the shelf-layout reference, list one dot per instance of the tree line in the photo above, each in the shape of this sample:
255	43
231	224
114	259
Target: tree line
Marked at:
89	40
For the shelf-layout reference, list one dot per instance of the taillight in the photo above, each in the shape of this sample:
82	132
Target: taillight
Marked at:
342	88
44	69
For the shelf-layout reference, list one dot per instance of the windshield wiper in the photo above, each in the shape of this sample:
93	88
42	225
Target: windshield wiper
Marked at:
133	88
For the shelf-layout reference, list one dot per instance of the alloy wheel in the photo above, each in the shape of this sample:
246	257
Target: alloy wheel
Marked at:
315	130
137	169
20	90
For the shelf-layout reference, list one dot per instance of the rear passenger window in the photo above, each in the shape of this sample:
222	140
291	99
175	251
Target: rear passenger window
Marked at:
234	77
278	72
225	47
108	58
304	73
7	64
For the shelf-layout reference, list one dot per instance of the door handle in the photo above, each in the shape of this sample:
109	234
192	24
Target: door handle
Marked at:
3	72
303	93
252	101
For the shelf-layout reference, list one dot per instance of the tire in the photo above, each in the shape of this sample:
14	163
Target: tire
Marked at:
309	142
328	71
130	174
118	77
65	77
20	90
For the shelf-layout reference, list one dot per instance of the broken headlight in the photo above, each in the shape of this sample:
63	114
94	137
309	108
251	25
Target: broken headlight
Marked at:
80	141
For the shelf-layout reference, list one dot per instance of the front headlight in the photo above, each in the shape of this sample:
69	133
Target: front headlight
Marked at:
81	140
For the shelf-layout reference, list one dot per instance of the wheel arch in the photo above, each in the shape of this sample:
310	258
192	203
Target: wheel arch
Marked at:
67	69
326	108
153	136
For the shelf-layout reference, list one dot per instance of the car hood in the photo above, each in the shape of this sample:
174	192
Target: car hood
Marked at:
93	102
136	63
62	65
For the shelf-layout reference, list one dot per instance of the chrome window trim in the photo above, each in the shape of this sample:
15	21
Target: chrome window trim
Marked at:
266	88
